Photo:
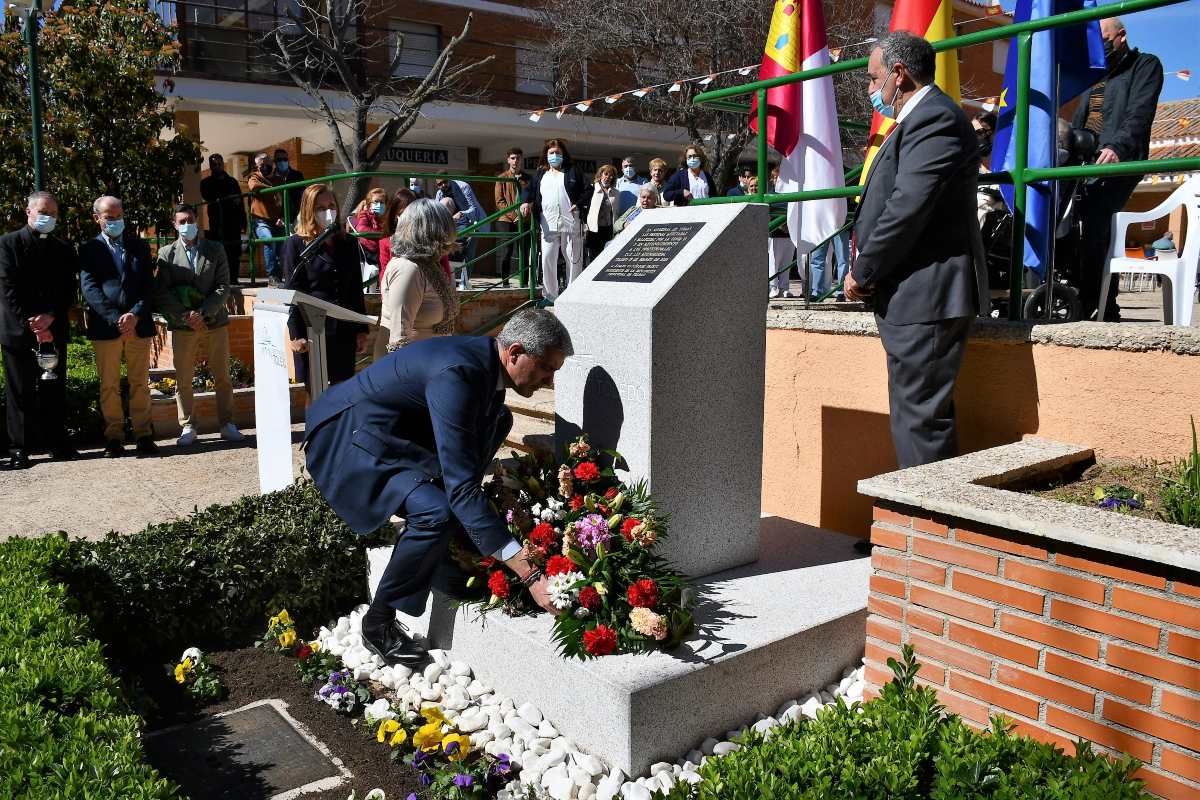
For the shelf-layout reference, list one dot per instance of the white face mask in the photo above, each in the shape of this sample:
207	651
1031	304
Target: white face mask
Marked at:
327	217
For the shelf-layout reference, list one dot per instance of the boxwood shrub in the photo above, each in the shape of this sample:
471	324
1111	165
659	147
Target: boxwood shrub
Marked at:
903	746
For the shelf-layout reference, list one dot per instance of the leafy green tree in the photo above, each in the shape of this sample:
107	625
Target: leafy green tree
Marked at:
108	127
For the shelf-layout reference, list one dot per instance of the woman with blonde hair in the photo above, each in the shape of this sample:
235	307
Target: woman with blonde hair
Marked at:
419	300
368	218
602	211
332	274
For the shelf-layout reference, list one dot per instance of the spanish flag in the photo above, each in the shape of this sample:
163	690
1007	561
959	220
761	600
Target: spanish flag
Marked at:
934	20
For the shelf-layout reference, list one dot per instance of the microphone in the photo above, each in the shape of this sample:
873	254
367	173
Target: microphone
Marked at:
311	250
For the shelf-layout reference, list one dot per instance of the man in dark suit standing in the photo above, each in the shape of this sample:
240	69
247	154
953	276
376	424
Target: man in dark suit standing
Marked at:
226	212
117	276
918	246
37	290
412	435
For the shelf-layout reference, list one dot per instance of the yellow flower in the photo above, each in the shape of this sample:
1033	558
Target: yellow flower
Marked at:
464	746
398	738
287	638
315	645
428	737
284	618
433	714
386	727
180	673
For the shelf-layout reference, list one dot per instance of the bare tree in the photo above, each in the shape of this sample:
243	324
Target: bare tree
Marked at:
330	46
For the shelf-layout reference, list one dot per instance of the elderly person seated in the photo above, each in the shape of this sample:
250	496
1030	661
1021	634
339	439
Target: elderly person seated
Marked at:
647	198
418	300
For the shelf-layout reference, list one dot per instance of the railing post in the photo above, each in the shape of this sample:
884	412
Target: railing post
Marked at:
251	272
287	212
35	93
762	144
1016	275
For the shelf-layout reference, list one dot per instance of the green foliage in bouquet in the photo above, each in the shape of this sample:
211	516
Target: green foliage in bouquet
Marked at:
902	746
1181	489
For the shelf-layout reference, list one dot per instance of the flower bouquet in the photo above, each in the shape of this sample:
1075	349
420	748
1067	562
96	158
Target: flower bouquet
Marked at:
595	538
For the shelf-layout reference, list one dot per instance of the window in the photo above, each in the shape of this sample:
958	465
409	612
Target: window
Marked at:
535	72
419	46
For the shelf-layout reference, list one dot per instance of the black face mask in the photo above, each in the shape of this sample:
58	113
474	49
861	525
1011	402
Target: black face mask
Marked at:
266	168
985	147
1112	56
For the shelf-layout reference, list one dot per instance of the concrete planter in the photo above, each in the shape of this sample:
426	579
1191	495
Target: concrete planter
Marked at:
1072	621
166	422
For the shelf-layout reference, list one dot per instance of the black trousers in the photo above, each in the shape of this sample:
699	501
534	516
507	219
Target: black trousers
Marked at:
507	254
418	560
923	361
594	242
231	241
1105	197
35	414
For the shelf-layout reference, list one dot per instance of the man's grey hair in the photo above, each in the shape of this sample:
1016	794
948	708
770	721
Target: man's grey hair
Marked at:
36	197
424	232
104	200
916	54
629	158
538	331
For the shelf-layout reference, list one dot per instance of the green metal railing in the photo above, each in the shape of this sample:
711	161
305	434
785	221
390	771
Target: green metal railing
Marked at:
1020	176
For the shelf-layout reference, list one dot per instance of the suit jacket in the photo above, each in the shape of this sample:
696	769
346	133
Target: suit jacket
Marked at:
335	277
37	276
917	235
676	184
508	194
226	215
111	291
429	412
1130	100
209	279
578	190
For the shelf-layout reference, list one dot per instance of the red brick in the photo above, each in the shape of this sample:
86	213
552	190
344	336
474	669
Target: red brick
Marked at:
1045	687
1163	786
954	606
1032	602
1049	634
934	623
1055	581
1180	764
1005	648
1003	545
887	586
902	565
1099	733
1097	678
879	654
948	654
1111	571
932	527
994	695
1096	619
1184	646
876	676
885	608
1154	666
887	562
1158	608
1181	706
1042	735
953	554
892	517
886	538
1187	589
1153	724
930	573
883	630
967	709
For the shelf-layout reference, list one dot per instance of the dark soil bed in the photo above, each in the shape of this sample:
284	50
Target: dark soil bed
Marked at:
250	674
1078	487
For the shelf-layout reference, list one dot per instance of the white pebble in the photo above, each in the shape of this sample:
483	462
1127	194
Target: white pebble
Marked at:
530	713
610	785
590	764
469	723
639	792
660	767
434	671
480	738
587	791
765	725
809	709
725	748
440	657
430	693
691	776
458	668
546	729
779	712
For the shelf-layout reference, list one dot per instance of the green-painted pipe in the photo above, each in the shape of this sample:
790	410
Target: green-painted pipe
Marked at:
1106	170
763	174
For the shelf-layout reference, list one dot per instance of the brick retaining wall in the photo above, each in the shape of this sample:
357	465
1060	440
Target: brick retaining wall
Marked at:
1064	640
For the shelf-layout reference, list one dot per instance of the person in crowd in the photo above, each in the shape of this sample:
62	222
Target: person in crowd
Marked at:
400	201
191	287
691	181
601	210
740	190
286	174
415	186
780	249
470	212
554	197
629	185
266	212
457	255
226	214
37	290
658	175
818	260
418	298
509	194
987	196
333	275
1119	110
116	273
368	218
411	436
919	250
647	199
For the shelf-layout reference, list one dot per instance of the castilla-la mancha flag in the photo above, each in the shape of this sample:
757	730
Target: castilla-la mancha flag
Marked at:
933	20
802	121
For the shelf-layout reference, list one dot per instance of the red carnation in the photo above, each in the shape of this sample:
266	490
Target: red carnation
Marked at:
587	471
576	502
543	535
498	583
600	640
559	565
303	651
643	593
627	527
611	494
589	598
487	562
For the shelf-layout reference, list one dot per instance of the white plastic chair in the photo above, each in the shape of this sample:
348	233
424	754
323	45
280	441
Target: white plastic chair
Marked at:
1179	272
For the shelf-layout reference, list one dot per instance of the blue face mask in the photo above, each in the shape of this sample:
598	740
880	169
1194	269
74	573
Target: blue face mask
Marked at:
693	162
44	223
554	159
630	173
282	166
377	208
886	109
188	230
113	228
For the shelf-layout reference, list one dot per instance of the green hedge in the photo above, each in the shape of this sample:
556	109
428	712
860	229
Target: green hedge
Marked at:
65	731
902	746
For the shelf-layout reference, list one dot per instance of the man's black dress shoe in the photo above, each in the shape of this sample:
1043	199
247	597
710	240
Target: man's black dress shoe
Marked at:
65	453
146	446
17	459
113	449
393	645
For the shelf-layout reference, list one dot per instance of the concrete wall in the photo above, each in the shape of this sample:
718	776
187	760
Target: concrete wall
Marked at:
1125	390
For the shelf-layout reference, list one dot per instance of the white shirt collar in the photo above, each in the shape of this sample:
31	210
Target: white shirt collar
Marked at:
912	102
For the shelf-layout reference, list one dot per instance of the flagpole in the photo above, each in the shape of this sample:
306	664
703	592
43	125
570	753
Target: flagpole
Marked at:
1020	162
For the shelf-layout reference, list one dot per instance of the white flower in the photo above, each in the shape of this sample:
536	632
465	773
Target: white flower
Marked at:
193	653
561	591
375	794
548	516
553	503
378	711
536	510
560	516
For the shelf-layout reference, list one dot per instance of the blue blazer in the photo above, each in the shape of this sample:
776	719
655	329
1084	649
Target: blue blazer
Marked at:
429	412
110	291
676	184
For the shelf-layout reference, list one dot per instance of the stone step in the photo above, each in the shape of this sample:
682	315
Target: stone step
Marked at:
530	434
540	405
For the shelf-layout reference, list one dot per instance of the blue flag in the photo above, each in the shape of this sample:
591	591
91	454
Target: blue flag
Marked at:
1076	54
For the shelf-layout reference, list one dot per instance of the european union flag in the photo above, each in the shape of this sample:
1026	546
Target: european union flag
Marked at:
1075	55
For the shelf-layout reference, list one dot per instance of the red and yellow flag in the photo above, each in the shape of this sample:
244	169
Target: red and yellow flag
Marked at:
934	20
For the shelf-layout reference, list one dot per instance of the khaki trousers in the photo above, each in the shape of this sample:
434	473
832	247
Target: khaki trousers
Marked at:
184	344
137	366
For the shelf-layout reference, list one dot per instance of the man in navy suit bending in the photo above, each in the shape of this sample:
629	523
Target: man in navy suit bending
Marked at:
412	435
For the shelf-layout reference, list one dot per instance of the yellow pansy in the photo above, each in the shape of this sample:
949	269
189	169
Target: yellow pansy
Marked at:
398	738
433	714
315	645
386	727
464	746
428	737
283	617
287	638
180	673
